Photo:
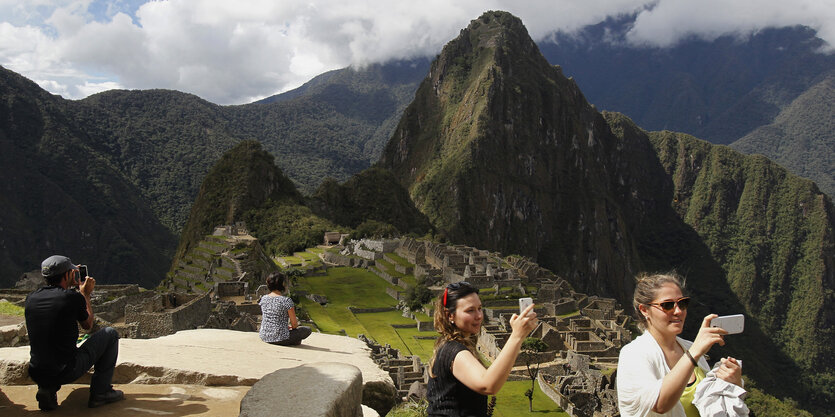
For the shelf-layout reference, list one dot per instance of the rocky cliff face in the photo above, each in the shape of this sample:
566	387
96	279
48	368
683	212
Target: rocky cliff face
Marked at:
501	151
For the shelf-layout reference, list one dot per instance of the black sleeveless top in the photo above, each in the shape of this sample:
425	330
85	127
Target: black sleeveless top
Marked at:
447	396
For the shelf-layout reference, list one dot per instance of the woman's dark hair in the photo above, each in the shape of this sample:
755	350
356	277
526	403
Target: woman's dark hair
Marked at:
275	281
444	307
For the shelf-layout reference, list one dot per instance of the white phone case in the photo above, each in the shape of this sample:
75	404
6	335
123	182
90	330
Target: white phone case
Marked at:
733	324
524	303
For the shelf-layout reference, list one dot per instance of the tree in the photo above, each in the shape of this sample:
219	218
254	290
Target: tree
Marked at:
531	348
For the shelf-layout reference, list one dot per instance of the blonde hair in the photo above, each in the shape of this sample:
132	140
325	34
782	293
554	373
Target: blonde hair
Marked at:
646	286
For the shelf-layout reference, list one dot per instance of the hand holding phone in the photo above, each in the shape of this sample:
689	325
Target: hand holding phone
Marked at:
524	303
733	324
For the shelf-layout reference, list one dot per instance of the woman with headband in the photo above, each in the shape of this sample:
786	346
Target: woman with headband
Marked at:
459	383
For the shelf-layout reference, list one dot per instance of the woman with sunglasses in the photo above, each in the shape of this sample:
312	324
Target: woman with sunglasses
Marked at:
658	371
459	383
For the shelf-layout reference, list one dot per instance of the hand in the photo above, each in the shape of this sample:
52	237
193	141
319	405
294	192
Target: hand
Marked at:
730	371
707	337
523	324
87	286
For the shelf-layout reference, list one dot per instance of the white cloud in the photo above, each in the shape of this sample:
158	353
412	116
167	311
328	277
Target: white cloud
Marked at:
232	52
670	20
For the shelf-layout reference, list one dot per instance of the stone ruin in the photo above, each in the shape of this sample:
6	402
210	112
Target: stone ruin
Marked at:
407	372
580	389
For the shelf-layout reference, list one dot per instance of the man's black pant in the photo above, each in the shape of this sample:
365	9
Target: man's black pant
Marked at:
100	350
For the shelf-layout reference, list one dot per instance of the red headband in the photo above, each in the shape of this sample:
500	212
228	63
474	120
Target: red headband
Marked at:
445	291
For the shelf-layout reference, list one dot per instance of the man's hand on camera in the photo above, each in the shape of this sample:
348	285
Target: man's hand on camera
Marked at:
87	286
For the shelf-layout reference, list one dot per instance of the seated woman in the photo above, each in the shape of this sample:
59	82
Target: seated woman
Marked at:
658	371
279	325
459	383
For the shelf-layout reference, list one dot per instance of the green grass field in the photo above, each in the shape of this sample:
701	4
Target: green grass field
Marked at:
512	402
10	309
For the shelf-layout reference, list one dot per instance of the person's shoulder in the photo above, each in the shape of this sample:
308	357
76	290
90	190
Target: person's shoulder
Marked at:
453	346
639	344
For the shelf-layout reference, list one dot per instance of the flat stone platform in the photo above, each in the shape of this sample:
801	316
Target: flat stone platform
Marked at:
140	400
201	358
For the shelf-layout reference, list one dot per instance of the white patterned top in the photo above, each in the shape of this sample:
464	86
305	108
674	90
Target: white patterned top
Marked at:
274	318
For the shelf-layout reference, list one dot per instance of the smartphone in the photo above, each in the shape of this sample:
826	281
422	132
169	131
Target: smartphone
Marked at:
524	303
732	324
82	273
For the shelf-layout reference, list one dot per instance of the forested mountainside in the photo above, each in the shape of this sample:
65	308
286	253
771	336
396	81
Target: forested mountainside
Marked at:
371	195
772	233
501	151
157	146
63	195
802	137
243	179
334	126
246	185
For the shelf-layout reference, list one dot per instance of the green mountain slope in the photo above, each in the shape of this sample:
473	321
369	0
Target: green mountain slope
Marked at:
62	195
771	231
801	137
164	141
244	179
373	194
334	126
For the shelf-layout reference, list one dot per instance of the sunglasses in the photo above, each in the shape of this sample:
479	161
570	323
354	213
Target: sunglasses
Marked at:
682	303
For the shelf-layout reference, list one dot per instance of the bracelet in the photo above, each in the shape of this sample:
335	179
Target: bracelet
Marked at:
687	352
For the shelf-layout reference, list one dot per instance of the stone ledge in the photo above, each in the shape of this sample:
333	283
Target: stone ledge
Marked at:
224	358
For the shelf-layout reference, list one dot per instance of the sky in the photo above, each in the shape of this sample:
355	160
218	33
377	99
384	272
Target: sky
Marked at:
239	51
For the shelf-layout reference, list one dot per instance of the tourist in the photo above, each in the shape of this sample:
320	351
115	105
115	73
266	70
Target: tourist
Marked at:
279	325
53	313
658	371
459	383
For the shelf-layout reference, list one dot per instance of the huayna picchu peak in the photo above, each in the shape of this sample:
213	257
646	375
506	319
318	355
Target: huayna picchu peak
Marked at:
501	151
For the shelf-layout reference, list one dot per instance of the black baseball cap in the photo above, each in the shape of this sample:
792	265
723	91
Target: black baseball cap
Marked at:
56	265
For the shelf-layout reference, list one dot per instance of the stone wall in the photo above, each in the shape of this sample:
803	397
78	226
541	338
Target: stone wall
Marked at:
381	245
337	259
153	321
14	335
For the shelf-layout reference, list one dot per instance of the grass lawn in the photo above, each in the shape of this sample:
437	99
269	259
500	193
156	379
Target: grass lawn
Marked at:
389	268
379	328
307	256
399	259
345	287
10	309
292	259
420	347
512	402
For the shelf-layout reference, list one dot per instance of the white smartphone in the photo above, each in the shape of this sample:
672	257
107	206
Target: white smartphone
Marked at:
732	324
524	303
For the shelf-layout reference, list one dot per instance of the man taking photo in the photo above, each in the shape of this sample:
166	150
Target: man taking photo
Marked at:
53	313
